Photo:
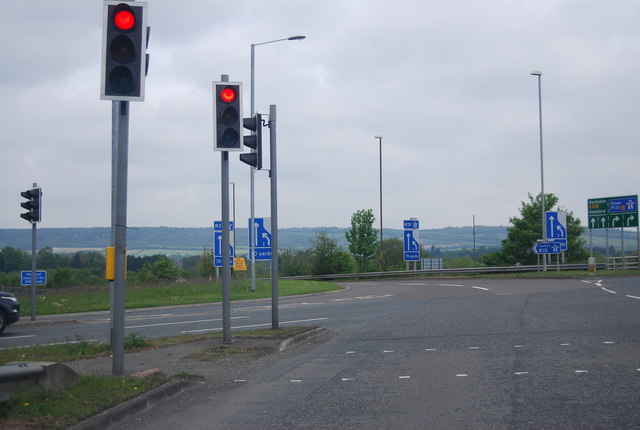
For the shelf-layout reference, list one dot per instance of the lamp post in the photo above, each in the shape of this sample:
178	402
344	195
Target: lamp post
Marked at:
251	168
381	254
544	227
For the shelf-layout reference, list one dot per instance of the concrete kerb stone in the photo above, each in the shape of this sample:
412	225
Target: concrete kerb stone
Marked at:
112	417
301	338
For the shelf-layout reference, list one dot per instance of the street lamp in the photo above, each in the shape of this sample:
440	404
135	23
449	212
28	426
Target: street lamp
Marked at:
251	168
544	227
381	255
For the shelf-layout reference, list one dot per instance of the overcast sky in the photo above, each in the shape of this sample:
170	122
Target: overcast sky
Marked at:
447	83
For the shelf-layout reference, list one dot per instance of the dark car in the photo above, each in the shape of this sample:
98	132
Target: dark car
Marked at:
9	310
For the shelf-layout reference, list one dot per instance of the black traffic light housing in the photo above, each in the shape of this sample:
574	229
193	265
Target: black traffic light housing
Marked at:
124	43
33	205
227	116
253	141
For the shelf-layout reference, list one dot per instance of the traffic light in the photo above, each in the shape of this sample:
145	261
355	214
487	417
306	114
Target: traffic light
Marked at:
227	116
124	43
33	205
254	141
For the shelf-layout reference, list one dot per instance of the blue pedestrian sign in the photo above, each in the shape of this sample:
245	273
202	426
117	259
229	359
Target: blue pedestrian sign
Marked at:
547	248
556	228
41	277
411	246
262	232
217	244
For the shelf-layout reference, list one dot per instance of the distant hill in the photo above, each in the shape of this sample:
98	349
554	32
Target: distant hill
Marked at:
193	240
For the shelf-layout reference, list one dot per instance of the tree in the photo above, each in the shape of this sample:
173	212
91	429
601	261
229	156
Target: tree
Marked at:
393	254
527	229
328	257
362	237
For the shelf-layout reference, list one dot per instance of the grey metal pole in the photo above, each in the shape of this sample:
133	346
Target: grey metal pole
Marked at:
544	226
274	217
226	267
115	121
381	252
252	170
117	346
33	269
252	237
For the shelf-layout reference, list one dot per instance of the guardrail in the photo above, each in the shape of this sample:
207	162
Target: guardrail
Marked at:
626	262
461	271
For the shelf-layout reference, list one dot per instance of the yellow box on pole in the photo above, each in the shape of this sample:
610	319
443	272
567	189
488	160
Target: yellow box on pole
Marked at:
110	272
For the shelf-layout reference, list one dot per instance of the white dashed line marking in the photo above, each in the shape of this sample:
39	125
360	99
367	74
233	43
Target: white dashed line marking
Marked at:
607	290
404	377
581	371
431	349
461	375
520	373
481	288
633	297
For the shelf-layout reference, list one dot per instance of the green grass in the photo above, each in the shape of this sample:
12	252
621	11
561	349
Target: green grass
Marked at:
62	408
85	300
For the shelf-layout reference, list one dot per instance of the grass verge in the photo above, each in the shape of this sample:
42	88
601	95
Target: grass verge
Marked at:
60	409
85	300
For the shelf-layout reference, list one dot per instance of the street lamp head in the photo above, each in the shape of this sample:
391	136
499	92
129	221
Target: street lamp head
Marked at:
299	37
536	73
378	137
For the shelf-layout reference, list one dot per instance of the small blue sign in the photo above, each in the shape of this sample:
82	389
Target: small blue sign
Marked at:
547	248
217	244
41	277
261	231
411	224
626	204
411	247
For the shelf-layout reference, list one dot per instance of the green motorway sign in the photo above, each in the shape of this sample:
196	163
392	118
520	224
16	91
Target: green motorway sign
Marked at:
613	212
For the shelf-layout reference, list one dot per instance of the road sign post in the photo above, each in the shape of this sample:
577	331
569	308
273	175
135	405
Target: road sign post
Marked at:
217	244
262	232
411	251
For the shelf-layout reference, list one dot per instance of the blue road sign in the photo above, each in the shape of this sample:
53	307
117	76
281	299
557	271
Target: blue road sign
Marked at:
411	224
547	248
411	247
217	244
41	277
261	230
556	228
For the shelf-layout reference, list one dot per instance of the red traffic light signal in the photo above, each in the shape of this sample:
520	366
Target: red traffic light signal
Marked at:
124	58
227	116
124	19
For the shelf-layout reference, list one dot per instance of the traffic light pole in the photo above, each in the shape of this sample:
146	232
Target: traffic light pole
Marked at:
226	266
120	151
33	270
273	173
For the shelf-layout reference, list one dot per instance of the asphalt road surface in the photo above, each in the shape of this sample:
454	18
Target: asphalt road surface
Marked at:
418	354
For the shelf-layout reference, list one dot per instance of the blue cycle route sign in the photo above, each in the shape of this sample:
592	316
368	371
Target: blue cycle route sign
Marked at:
262	232
217	244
